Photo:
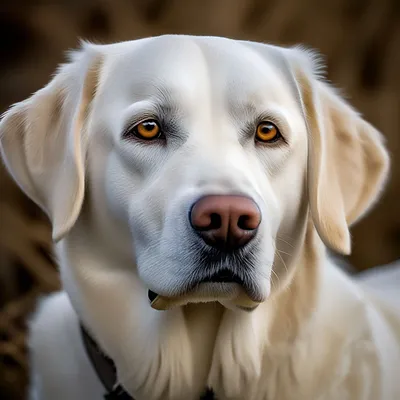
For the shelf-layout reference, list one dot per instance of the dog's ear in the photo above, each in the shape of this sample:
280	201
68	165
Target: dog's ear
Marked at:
43	142
347	160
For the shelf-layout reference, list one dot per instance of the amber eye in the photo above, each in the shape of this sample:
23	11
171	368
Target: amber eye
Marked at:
267	132
147	130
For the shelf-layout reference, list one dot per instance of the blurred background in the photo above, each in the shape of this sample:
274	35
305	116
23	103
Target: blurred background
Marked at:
361	42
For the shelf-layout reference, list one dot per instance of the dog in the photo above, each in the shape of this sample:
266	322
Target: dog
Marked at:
194	186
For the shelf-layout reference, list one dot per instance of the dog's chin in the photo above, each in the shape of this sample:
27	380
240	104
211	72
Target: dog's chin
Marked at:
231	295
231	281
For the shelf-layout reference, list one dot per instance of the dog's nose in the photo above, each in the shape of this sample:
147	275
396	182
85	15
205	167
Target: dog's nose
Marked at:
225	222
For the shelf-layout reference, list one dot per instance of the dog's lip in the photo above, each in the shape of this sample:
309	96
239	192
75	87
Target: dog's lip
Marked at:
225	287
210	292
222	276
208	286
222	284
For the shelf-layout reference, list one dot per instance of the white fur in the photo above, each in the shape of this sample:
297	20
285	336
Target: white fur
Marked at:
119	212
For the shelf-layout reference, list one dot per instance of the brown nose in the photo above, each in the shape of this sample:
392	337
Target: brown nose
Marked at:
225	222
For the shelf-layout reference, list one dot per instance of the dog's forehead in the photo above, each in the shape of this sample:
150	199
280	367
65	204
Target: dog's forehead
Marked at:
192	67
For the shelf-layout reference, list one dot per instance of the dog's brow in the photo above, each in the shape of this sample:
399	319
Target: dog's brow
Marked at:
250	108
165	109
244	110
166	101
166	94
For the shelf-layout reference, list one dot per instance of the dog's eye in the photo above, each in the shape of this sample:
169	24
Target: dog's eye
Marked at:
147	130
267	132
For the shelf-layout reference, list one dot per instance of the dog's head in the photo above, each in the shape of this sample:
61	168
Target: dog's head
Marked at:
207	153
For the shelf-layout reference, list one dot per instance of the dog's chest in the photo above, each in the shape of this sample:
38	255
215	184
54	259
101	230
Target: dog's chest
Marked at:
207	347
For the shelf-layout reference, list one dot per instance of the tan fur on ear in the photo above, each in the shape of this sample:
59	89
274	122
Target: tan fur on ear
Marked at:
347	161
42	140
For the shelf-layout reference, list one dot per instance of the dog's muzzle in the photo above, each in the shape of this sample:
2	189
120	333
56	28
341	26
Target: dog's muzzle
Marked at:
225	226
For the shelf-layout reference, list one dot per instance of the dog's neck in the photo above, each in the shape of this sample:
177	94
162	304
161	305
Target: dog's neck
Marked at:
187	348
293	305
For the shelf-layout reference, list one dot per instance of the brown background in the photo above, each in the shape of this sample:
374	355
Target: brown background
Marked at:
361	41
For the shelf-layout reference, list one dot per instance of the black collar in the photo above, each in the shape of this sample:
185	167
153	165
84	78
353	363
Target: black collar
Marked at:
106	371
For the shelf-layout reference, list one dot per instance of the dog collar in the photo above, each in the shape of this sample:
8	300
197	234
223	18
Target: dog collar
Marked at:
107	373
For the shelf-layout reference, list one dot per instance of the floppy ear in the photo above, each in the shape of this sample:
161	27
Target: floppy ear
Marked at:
347	161
42	140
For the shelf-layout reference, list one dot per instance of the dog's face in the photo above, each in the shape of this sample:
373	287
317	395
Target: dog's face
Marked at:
200	150
207	152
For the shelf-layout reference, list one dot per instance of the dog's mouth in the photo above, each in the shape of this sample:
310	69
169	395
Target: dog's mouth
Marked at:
223	276
219	286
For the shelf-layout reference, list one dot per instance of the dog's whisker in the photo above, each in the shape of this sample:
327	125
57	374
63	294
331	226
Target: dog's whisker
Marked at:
276	275
284	252
285	241
283	261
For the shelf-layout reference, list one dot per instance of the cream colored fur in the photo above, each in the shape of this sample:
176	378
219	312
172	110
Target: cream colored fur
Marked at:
119	213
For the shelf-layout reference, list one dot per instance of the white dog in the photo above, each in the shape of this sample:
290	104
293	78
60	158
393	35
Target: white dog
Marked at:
193	184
